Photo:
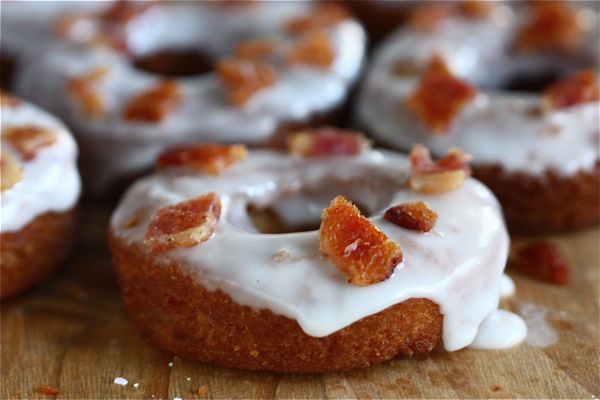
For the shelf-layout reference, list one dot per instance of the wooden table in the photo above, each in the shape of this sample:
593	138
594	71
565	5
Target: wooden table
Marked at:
73	334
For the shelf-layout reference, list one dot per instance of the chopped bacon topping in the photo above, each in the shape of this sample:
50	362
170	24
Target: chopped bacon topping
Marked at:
428	176
440	97
428	17
244	78
415	216
553	26
89	98
155	104
28	139
254	49
209	158
475	8
10	173
327	141
544	260
355	245
579	88
8	100
324	16
313	49
184	224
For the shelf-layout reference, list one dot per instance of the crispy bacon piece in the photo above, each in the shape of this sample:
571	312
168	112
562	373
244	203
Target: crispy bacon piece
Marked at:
154	104
325	15
428	17
254	49
428	176
184	224
28	139
89	98
475	8
579	88
8	100
440	96
327	141
544	260
208	158
414	216
11	172
313	49
553	26
355	246
244	78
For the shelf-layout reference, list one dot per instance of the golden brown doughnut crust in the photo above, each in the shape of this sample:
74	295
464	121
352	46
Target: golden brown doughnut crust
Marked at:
180	316
33	253
547	203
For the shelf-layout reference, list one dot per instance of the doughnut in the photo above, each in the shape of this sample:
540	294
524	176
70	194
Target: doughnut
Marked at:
242	259
137	78
517	90
39	190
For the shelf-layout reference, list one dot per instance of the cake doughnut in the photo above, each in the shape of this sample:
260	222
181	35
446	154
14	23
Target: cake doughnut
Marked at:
39	191
281	65
475	83
312	290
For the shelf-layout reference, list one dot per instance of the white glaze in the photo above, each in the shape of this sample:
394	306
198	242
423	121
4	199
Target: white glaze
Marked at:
539	332
497	128
507	286
500	330
206	115
50	181
458	265
28	25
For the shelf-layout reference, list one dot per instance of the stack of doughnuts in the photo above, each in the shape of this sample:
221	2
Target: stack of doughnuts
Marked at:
40	189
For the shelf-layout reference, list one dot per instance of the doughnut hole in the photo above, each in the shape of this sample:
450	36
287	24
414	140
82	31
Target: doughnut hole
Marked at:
176	62
300	210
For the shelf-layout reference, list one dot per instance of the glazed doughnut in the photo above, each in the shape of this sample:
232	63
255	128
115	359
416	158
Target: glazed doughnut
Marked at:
537	151
282	65
200	280
40	188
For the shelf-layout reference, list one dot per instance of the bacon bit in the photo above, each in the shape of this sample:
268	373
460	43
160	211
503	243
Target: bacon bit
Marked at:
11	172
327	141
429	17
244	78
324	16
544	260
154	104
254	49
414	216
553	26
82	88
428	176
579	88
184	224
475	8
440	97
203	391
28	139
8	100
313	49
123	11
47	390
136	218
355	245
209	158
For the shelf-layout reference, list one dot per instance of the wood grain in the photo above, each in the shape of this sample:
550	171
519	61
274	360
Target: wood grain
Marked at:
73	334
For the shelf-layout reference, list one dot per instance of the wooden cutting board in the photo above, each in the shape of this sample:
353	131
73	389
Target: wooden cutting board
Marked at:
73	334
